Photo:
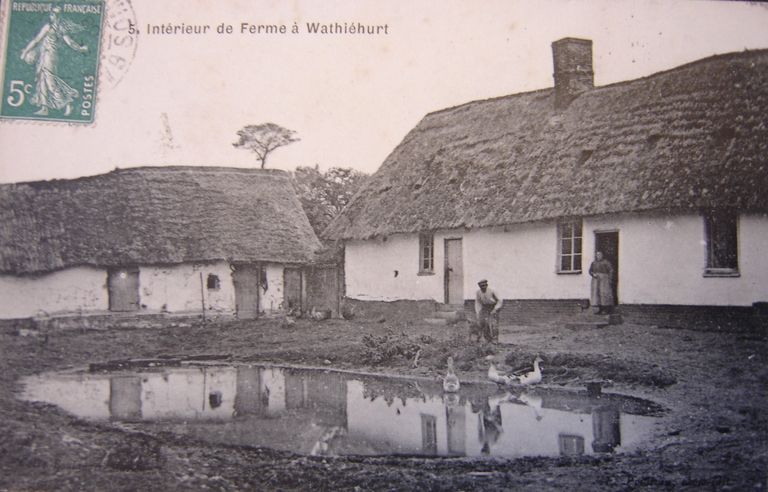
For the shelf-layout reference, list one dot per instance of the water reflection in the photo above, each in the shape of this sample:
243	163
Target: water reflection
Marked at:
328	413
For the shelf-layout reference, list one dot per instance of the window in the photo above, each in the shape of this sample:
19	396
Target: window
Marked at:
722	247
426	253
213	282
569	247
215	399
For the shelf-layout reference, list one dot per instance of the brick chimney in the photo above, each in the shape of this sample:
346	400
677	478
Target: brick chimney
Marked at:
572	58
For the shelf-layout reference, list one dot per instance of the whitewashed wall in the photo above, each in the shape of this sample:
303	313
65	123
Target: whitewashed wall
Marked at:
169	288
73	289
388	270
661	261
272	299
177	288
519	264
753	260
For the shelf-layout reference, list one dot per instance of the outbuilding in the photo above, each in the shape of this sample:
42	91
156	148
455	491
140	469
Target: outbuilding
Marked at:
211	241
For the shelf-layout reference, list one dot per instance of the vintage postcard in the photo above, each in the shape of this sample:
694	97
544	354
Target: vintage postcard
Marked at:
365	245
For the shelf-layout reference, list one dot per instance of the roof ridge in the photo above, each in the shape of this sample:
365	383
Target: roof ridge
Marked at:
684	66
488	100
686	138
158	169
700	61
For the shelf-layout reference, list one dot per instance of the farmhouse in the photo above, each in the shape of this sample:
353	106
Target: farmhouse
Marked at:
666	175
213	240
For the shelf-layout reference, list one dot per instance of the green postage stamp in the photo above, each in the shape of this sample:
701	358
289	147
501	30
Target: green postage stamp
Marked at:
51	60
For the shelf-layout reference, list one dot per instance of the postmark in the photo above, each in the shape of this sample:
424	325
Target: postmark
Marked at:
119	44
51	63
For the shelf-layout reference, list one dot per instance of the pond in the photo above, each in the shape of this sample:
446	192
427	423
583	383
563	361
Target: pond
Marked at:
326	412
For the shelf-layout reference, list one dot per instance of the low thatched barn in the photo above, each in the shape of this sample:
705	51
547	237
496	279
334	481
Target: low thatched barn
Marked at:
223	241
667	175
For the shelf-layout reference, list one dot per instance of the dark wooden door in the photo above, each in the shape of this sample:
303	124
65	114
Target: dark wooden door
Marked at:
608	243
123	287
454	272
323	289
292	287
246	280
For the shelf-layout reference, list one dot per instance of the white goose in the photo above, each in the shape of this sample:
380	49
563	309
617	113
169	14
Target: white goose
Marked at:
533	401
497	377
533	377
450	381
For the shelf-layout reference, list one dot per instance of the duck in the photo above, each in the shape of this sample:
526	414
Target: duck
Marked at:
497	377
533	377
450	381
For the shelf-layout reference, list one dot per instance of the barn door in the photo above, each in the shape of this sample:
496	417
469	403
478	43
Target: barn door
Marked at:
454	272
123	287
292	290
246	281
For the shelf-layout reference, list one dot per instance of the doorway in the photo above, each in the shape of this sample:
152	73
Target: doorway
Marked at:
454	272
292	288
123	288
246	279
608	243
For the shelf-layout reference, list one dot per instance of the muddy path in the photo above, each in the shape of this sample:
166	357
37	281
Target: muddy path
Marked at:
714	437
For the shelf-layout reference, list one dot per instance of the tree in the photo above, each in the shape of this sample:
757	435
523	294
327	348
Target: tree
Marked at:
324	195
264	138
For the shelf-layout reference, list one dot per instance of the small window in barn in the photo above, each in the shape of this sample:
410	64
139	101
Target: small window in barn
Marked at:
569	247
721	229
426	253
213	282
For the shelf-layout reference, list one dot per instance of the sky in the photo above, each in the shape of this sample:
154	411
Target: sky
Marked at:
180	99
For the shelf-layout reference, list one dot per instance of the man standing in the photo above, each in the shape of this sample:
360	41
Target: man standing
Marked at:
487	304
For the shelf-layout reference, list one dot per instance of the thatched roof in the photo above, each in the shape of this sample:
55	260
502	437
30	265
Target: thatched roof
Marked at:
692	137
153	215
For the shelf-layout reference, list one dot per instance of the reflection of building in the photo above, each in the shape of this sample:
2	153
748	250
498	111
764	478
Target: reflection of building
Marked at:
186	394
546	426
570	444
319	412
456	416
606	427
125	397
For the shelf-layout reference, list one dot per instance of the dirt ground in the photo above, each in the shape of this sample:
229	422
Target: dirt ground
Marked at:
715	436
